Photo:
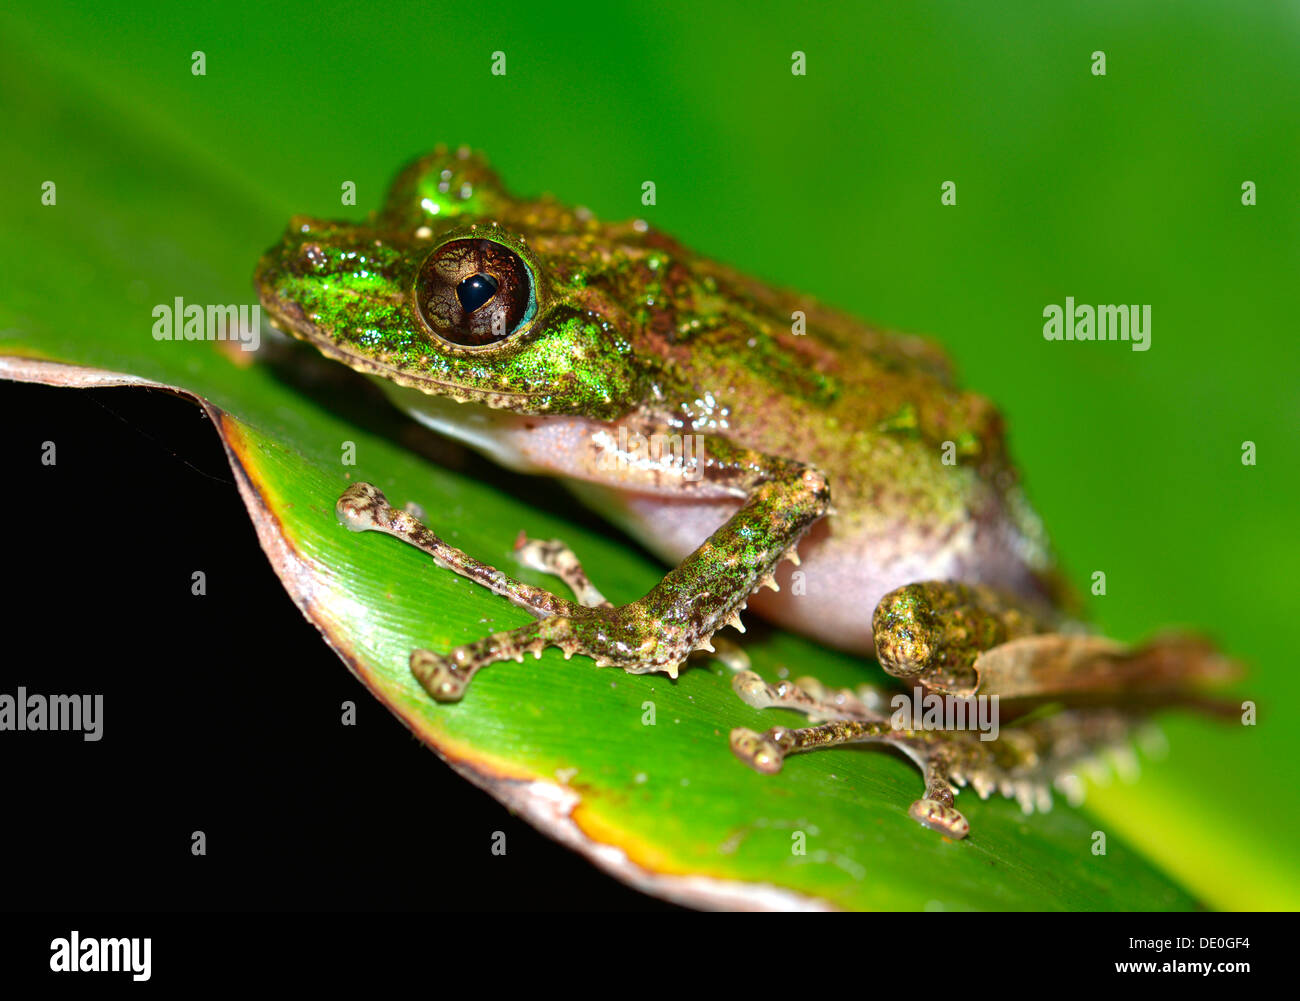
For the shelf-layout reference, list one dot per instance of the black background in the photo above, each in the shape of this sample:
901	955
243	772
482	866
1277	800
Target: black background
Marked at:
222	713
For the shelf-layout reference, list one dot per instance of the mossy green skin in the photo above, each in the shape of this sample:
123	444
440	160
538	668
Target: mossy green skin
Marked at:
553	333
628	321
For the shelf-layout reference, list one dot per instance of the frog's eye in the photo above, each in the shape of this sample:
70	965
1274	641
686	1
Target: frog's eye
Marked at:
474	292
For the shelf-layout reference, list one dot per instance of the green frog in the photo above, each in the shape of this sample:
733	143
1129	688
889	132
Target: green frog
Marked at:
780	455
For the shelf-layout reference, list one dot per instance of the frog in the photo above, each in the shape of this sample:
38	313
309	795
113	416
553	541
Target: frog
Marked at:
782	456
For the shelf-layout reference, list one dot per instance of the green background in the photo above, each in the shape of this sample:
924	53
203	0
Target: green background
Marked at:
1117	189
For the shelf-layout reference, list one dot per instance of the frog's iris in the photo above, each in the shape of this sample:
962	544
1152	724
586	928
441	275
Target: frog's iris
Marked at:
474	292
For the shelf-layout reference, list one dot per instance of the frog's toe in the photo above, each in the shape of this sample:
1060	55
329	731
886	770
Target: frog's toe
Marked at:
361	506
758	750
940	817
752	691
438	676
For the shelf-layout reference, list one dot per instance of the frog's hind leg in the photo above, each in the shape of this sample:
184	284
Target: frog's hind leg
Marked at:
854	718
959	639
766	752
1023	762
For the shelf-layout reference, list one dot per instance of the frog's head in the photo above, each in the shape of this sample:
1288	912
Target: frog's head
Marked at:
451	289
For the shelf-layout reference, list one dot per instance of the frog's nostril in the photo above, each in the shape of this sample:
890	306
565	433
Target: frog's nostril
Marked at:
476	290
312	256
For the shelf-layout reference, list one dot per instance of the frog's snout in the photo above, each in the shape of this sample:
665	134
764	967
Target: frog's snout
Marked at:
298	254
283	312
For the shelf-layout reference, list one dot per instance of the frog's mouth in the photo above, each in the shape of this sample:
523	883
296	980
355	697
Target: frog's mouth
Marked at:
287	316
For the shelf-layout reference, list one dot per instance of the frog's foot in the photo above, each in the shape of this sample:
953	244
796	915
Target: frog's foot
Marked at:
1024	762
808	696
935	810
555	558
766	752
941	817
364	508
763	752
855	718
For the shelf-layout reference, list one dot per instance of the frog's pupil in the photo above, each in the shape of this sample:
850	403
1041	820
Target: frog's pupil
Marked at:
475	290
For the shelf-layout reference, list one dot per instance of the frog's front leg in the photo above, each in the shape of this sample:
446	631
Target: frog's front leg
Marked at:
659	631
555	558
810	697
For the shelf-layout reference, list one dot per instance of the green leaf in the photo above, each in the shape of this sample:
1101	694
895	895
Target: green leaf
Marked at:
665	807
